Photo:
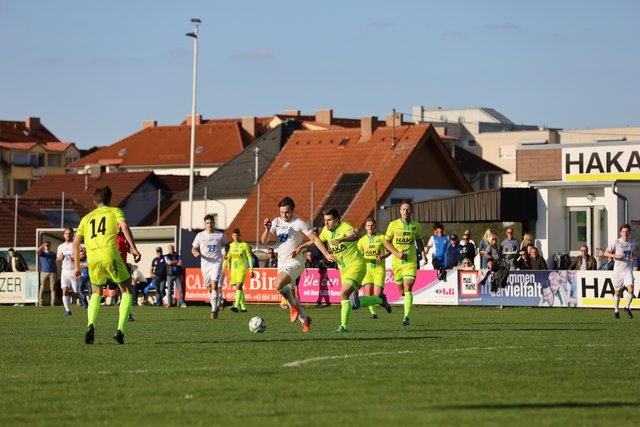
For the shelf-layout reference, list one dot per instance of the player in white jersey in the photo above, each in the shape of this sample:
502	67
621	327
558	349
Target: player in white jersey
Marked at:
623	250
67	276
289	231
211	246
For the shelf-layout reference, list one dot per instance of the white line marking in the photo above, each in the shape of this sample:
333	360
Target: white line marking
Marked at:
344	356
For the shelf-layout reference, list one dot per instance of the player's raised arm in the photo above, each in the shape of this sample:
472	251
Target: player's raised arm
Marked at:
266	234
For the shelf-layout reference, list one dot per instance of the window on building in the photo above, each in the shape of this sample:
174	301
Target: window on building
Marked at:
346	189
471	143
54	160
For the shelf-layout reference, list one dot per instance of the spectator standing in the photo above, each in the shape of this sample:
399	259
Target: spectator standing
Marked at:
272	259
527	240
16	261
492	250
439	242
310	261
467	248
537	262
174	275
452	255
482	248
509	248
623	251
159	275
584	261
48	272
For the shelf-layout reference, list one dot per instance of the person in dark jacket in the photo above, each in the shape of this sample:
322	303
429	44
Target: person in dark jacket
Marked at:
16	261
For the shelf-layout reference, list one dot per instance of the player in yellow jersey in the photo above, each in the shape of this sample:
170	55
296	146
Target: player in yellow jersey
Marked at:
238	256
371	245
401	238
98	229
342	240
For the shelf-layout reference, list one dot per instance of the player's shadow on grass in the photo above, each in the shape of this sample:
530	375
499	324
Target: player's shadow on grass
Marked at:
507	329
556	405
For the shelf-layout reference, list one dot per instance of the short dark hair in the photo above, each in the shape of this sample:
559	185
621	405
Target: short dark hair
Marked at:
407	202
370	220
333	212
209	216
627	226
235	231
438	225
287	201
102	195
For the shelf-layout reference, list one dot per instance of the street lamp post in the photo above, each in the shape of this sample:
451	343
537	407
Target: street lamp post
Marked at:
194	34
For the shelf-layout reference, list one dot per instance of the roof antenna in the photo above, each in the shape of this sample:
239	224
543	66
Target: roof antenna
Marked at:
393	129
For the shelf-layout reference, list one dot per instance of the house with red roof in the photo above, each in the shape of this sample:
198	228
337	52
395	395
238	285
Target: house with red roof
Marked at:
28	151
166	150
143	196
355	170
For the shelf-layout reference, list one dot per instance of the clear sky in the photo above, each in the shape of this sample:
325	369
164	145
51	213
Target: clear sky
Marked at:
93	71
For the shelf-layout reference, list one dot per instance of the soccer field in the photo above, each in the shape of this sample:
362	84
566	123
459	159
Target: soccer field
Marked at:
451	366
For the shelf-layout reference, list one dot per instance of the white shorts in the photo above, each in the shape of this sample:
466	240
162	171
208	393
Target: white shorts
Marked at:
292	267
622	279
211	273
69	280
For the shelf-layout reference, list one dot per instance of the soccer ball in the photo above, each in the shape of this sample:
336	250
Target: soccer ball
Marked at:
257	325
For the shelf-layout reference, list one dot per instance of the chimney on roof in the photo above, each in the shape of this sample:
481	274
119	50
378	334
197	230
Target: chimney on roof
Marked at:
198	119
398	119
324	116
249	124
295	113
149	124
368	125
33	123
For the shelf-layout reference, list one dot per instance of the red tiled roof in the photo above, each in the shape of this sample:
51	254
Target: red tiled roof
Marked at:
122	185
18	145
30	217
170	145
57	146
11	131
322	156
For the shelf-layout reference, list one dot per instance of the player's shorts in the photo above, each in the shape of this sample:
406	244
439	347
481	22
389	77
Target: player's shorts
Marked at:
353	275
292	267
402	270
622	279
69	280
211	273
375	274
238	275
112	269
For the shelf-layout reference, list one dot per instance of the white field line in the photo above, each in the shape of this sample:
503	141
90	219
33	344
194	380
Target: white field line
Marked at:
301	362
343	356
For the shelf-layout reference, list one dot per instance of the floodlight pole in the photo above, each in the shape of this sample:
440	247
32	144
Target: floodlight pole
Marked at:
194	35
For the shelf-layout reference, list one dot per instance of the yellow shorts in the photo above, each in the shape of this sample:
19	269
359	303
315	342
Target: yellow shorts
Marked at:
375	274
353	275
237	275
102	270
402	270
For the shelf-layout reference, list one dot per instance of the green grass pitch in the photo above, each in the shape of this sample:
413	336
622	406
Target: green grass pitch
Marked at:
452	366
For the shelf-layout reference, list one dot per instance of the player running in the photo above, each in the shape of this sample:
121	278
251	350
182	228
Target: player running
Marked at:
401	238
289	231
98	230
623	251
238	256
371	245
67	272
209	245
342	240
